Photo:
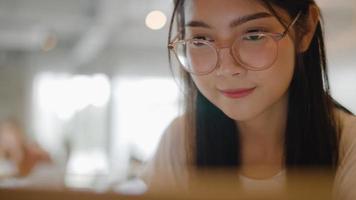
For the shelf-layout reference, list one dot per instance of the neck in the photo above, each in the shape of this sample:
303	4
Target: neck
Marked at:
262	138
268	127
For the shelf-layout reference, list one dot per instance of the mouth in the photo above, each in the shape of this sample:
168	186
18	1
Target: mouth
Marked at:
237	93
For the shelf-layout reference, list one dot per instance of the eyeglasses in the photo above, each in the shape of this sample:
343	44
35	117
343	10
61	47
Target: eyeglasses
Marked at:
254	51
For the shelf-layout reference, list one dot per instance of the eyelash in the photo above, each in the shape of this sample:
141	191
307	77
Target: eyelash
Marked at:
202	37
250	30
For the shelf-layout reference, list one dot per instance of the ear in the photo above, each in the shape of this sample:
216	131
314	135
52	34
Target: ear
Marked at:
311	24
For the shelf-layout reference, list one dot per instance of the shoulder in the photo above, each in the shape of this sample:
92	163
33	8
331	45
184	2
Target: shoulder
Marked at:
171	149
168	162
348	130
175	128
171	145
345	179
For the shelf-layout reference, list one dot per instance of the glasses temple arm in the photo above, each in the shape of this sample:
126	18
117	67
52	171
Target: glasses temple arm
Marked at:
171	44
292	24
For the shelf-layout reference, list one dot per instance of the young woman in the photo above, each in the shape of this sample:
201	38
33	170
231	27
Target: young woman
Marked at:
256	94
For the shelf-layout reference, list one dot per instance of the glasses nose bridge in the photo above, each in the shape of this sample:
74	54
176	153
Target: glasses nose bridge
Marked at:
219	50
227	62
222	47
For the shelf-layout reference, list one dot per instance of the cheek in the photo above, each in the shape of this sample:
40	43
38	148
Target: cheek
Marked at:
205	84
277	79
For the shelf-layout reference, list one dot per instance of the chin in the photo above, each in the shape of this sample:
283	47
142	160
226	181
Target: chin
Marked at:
242	115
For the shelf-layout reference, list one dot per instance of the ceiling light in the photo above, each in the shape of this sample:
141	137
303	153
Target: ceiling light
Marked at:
156	20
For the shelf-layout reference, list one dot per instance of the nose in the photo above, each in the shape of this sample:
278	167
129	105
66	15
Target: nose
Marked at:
228	65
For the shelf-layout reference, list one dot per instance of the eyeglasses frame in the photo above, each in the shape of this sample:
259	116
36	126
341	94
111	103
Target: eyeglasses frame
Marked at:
276	36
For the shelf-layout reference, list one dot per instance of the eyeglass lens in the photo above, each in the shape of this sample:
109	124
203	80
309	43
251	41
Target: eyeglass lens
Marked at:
253	51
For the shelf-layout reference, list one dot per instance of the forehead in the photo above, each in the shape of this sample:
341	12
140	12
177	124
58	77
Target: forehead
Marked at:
221	9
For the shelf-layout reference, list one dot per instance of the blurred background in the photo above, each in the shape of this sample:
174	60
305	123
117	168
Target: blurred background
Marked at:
89	80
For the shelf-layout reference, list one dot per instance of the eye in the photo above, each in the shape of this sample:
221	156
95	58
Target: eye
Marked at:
200	41
254	37
255	34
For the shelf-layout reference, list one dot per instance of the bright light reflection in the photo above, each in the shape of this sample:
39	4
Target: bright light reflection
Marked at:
145	108
101	85
66	95
84	167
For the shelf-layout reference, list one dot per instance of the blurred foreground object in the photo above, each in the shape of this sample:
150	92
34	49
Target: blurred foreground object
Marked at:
206	184
227	184
17	149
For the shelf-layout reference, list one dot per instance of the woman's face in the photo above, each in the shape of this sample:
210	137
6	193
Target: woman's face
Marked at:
240	93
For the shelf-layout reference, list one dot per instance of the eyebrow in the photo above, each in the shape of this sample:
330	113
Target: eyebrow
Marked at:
234	23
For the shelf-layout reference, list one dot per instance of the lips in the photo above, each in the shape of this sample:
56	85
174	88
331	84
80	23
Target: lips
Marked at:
237	93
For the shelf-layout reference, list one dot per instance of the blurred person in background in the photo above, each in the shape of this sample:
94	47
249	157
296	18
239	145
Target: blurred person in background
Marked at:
256	96
17	149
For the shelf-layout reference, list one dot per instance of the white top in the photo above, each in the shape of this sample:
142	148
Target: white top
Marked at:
274	183
169	165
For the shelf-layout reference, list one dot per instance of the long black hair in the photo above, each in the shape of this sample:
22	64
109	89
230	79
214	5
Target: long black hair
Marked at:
311	135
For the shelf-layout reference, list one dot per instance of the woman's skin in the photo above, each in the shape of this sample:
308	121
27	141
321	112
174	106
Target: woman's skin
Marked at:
260	116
